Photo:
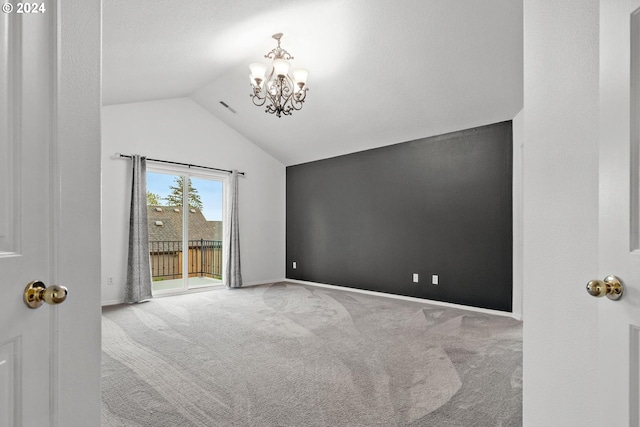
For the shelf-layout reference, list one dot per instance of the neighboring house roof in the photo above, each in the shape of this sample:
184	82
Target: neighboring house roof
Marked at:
165	224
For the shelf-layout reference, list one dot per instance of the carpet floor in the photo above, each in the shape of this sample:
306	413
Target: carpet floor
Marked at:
294	355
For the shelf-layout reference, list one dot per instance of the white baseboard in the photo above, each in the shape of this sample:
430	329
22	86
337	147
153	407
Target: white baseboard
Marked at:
262	282
361	291
113	302
405	298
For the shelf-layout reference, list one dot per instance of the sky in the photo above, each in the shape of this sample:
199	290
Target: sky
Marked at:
210	192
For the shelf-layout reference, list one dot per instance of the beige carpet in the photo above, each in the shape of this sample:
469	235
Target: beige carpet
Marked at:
294	355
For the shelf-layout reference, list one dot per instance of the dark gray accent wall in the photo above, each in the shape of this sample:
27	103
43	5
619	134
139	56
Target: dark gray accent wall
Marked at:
440	205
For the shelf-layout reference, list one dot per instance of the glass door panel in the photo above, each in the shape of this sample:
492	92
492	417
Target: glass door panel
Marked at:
204	261
165	222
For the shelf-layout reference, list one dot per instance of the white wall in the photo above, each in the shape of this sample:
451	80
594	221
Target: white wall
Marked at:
180	130
560	212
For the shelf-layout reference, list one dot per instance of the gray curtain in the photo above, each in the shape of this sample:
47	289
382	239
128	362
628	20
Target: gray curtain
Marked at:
231	271
138	269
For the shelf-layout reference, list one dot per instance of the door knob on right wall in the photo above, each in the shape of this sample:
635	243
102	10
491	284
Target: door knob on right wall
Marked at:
611	286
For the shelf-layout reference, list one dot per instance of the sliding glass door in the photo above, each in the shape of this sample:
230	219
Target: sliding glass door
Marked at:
205	233
185	212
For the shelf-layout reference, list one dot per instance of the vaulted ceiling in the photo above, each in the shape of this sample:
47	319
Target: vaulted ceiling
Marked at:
380	71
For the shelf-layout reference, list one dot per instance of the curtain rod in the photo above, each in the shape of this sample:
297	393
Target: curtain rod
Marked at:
129	156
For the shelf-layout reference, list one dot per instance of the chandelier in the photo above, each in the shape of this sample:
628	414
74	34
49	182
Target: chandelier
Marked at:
284	91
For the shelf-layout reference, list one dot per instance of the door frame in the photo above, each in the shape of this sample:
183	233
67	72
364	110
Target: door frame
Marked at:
619	208
76	156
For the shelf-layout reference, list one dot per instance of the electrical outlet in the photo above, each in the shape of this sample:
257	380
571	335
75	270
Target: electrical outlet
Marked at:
434	279
295	265
415	278
110	280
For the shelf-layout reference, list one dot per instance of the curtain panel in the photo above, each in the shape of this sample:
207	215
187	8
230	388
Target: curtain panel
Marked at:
138	286
231	272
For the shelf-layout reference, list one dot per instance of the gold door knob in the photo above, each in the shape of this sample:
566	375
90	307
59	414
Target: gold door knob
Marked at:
36	293
611	286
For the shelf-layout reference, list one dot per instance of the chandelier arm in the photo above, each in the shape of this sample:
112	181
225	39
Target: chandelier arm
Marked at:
303	94
274	96
278	103
257	96
260	101
286	93
271	110
268	90
279	53
298	103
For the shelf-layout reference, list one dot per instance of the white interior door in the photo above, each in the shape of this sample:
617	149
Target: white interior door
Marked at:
619	248
25	218
50	212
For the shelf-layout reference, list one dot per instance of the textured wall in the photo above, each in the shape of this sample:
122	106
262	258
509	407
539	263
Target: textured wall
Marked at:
439	205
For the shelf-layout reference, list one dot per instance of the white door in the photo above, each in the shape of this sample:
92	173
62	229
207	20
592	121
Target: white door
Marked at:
26	218
619	248
41	69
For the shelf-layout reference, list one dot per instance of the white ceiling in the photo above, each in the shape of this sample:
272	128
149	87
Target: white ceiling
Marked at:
380	71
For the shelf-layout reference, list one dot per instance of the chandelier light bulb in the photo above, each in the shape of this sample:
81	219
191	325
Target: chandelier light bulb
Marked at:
274	86
280	67
300	76
258	72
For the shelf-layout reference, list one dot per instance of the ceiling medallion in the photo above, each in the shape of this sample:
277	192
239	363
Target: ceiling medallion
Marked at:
285	91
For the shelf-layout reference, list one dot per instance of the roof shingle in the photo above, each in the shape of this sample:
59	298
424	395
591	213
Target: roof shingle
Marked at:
171	229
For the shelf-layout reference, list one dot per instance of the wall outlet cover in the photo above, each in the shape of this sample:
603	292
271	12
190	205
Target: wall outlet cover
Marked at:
434	279
415	277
